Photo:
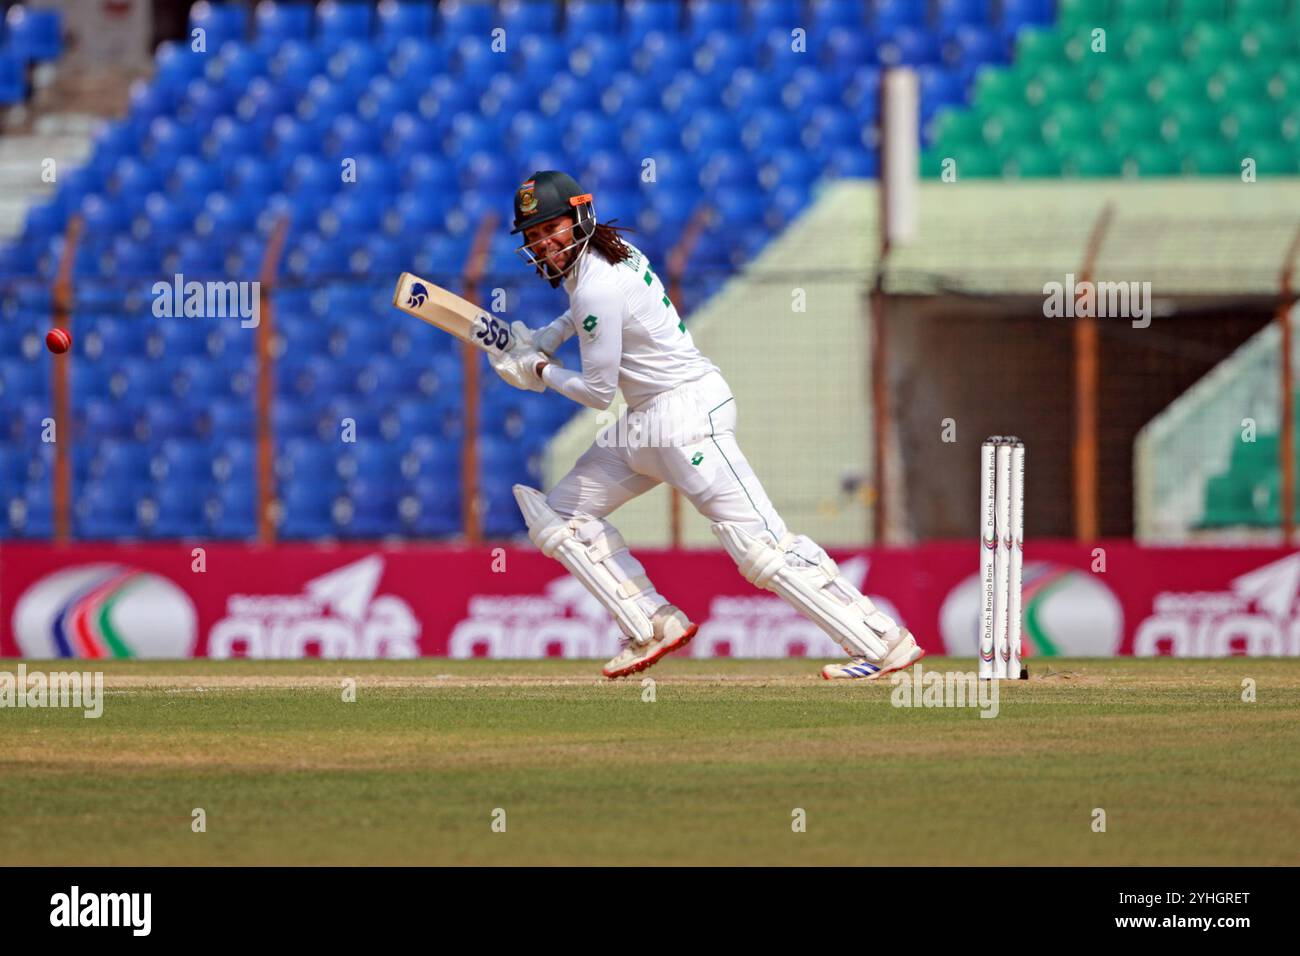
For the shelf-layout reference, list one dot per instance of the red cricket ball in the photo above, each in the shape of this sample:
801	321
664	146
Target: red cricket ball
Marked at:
58	341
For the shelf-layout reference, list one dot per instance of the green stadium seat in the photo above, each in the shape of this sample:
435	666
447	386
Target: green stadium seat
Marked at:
1088	13
1077	48
1151	159
978	163
1252	459
1186	87
1238	82
1291	124
1210	43
1122	84
1228	502
1197	11
958	127
1132	11
1274	10
1266	500
1274	159
1179	83
1069	124
998	88
1039	46
1268	42
1152	43
932	163
1132	123
1192	123
1012	127
1033	162
1057	84
1254	122
1284	81
1211	159
1091	159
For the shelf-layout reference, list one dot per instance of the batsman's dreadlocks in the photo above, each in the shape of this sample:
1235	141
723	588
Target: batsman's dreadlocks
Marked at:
607	241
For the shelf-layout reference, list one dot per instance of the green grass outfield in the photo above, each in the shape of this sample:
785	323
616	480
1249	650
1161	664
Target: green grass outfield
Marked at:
710	772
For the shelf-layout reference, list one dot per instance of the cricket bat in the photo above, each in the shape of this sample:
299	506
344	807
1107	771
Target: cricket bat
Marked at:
449	312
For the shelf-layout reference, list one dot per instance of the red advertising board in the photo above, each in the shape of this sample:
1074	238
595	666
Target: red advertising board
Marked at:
169	600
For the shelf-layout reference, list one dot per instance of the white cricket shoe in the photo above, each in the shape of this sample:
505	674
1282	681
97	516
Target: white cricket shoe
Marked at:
672	630
903	652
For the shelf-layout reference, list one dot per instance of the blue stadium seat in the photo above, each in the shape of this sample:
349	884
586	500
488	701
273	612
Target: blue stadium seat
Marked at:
183	461
353	63
121	460
280	21
411	134
413	63
501	515
29	513
105	510
661	55
706	16
230	510
292	63
521	17
890	16
308	509
952	12
108	418
598	56
432	508
1019	13
221	22
854	163
19	379
404	19
231	419
711	131
429	457
588	17
385	98
645	16
843	49
459	17
826	13
541	57
169	137
908	46
339	22
233	461
174	510
33	34
13	84
165	419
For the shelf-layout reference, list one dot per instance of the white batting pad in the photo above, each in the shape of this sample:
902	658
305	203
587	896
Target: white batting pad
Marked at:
594	552
806	577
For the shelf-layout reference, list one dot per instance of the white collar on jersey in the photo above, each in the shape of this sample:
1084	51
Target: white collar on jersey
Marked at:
575	274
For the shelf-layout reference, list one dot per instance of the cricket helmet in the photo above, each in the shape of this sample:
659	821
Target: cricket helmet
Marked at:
545	195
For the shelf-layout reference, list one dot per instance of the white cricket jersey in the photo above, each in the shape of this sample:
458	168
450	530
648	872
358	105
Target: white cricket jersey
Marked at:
630	334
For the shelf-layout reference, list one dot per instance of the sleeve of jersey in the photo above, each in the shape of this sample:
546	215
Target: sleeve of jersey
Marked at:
600	338
550	337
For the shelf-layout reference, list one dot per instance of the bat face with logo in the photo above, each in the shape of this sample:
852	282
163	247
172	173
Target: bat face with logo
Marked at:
451	313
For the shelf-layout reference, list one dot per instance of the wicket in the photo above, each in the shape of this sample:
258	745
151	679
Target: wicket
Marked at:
1002	542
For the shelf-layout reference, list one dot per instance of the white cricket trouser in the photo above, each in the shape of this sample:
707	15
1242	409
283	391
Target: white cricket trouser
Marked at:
684	437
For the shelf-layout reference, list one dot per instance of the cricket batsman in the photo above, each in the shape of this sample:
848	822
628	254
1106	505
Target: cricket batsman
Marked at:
632	338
